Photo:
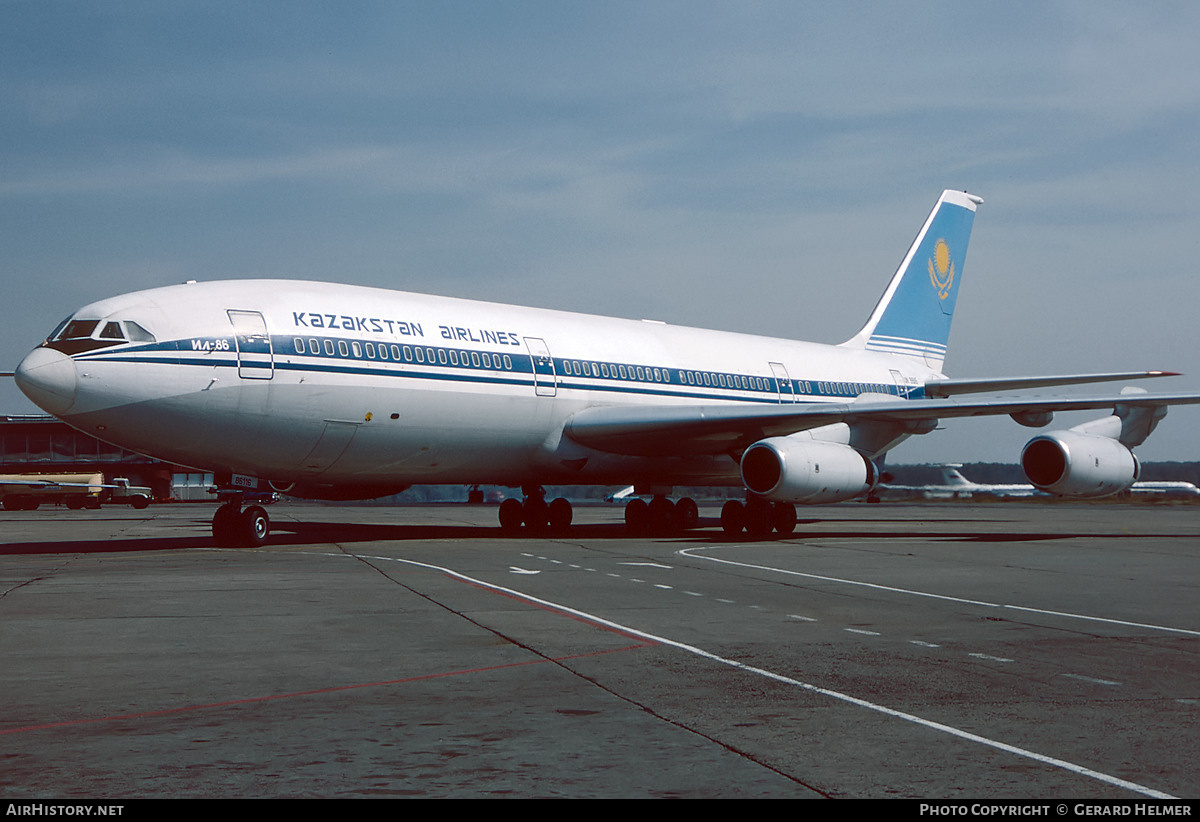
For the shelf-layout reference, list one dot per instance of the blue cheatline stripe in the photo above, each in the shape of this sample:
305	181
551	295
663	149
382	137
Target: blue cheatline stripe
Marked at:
767	388
902	345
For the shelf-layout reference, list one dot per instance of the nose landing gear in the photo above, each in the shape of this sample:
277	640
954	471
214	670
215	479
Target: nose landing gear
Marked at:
236	527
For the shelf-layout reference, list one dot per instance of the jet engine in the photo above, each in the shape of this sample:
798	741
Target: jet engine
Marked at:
1074	464
784	469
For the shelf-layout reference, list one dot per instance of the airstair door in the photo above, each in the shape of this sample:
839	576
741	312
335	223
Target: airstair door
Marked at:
256	360
545	381
787	392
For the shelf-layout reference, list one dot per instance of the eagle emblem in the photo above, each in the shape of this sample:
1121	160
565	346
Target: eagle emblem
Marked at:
941	270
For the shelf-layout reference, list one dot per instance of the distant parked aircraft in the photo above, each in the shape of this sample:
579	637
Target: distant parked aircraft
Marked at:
955	486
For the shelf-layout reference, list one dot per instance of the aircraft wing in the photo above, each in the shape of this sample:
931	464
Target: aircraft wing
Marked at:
950	387
664	430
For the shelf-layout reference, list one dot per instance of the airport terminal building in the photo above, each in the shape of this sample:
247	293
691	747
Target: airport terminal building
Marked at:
37	444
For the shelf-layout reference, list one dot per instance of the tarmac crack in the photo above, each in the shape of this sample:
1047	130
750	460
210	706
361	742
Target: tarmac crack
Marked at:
562	665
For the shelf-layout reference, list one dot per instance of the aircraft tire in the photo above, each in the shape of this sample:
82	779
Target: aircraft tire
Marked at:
687	514
224	526
637	516
254	526
536	514
733	518
758	517
559	516
783	517
660	515
511	515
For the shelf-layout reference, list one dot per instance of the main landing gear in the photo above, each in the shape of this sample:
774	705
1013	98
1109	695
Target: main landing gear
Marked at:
758	517
535	514
660	516
236	527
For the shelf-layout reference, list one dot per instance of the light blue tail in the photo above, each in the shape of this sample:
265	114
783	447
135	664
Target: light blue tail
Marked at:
913	316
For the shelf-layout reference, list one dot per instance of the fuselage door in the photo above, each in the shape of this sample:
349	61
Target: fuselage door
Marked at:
256	360
545	381
783	382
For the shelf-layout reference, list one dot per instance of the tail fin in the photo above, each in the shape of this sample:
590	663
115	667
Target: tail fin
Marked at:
913	316
952	476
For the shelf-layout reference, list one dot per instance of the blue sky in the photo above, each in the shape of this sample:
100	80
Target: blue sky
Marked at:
753	166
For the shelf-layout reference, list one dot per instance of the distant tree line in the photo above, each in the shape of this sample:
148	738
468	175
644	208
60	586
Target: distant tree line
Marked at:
981	472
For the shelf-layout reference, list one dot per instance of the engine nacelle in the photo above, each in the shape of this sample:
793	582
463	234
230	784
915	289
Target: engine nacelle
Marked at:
1079	465
784	469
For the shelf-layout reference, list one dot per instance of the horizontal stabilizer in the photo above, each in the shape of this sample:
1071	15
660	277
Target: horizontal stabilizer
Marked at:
949	388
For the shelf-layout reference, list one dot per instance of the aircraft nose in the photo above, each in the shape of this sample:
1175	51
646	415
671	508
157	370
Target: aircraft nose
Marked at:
48	378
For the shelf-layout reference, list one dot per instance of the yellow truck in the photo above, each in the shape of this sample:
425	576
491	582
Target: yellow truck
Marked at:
25	492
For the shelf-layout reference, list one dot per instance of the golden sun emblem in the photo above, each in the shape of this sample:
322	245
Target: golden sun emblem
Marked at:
941	270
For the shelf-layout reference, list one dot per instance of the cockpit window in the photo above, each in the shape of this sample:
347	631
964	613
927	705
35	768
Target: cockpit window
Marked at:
78	330
136	333
111	331
58	329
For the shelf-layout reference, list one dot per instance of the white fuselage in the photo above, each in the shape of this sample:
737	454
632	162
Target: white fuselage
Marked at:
322	384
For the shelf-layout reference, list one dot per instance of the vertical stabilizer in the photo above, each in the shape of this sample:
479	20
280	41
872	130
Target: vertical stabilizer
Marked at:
952	476
913	316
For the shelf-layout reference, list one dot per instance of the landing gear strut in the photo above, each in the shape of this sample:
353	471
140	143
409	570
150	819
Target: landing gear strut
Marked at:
535	514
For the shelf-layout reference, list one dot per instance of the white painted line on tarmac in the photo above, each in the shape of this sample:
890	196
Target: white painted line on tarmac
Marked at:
695	554
1091	679
1071	767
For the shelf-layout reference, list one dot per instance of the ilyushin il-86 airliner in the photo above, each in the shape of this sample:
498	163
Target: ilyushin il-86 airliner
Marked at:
341	392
